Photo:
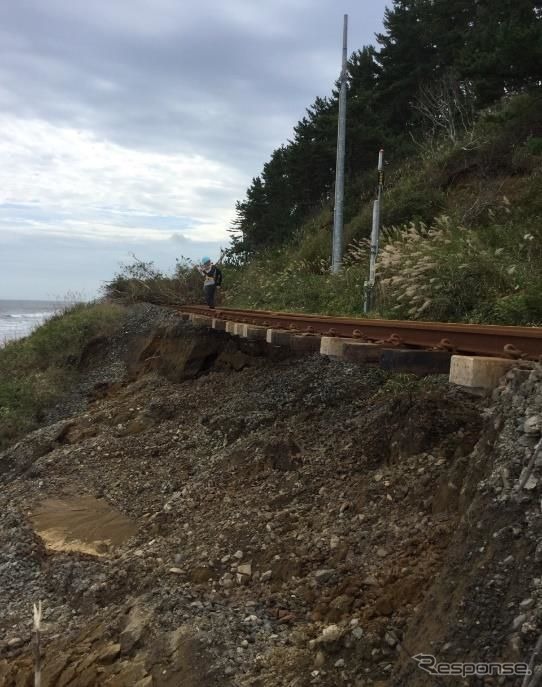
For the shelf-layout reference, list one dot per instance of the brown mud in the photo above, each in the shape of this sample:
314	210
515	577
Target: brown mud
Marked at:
81	524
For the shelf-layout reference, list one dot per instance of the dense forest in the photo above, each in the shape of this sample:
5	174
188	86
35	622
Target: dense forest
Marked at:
436	64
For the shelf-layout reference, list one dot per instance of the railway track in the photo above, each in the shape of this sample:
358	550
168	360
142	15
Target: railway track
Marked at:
521	343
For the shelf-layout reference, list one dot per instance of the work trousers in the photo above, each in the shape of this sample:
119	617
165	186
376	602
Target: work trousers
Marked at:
209	292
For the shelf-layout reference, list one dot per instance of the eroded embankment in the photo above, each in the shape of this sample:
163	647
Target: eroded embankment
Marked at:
284	521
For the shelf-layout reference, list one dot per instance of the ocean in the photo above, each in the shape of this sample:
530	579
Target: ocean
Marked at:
19	318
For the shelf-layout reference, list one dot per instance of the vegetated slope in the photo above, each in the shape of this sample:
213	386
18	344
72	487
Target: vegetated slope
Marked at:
462	238
457	108
35	372
296	522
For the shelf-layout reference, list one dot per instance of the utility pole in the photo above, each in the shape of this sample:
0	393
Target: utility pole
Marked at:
375	237
339	173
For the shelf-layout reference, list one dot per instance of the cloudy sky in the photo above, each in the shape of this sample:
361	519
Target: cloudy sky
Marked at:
133	126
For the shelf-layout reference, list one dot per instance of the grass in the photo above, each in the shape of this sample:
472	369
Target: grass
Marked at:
37	370
301	286
406	384
462	239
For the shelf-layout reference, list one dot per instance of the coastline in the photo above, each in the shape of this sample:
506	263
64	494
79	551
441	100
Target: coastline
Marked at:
19	318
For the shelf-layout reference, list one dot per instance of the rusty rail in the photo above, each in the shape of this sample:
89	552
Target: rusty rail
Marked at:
475	339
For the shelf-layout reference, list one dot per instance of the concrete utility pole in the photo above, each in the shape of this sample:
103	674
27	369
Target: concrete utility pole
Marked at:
339	174
375	237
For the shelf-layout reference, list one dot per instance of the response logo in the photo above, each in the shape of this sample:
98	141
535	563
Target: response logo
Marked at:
429	663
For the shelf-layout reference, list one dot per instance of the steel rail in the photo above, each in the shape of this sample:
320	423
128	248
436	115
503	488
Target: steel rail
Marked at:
488	340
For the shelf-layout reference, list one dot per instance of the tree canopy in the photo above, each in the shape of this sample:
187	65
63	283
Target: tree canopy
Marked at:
483	49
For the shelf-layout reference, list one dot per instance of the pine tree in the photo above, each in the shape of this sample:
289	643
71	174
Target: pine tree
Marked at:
311	156
423	42
248	229
365	133
279	220
503	48
405	59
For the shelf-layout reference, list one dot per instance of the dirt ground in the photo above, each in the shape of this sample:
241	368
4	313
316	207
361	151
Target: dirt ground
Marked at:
221	514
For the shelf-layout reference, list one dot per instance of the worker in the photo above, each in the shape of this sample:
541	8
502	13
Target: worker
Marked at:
212	279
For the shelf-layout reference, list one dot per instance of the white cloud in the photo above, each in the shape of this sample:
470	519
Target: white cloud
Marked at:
90	186
131	124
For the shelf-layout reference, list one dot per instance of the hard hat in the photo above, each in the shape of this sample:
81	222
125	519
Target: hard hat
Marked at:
205	260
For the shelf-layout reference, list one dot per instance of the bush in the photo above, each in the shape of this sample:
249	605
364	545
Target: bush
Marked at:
141	282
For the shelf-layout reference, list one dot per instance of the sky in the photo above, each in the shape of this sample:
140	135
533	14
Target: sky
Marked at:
131	127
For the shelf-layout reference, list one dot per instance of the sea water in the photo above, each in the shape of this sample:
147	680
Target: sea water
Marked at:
20	318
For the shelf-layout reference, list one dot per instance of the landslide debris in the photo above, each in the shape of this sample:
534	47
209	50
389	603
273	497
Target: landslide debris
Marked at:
293	523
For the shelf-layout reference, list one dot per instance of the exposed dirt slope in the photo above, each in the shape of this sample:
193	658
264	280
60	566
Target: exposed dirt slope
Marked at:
296	524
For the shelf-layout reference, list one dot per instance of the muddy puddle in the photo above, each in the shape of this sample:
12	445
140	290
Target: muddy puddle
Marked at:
81	524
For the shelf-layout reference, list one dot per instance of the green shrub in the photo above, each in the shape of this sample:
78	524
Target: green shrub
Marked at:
140	281
412	200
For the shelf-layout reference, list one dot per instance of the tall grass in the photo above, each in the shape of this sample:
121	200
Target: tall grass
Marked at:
449	272
296	285
439	271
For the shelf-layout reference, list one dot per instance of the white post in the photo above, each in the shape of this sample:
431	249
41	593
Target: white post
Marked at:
37	644
375	236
